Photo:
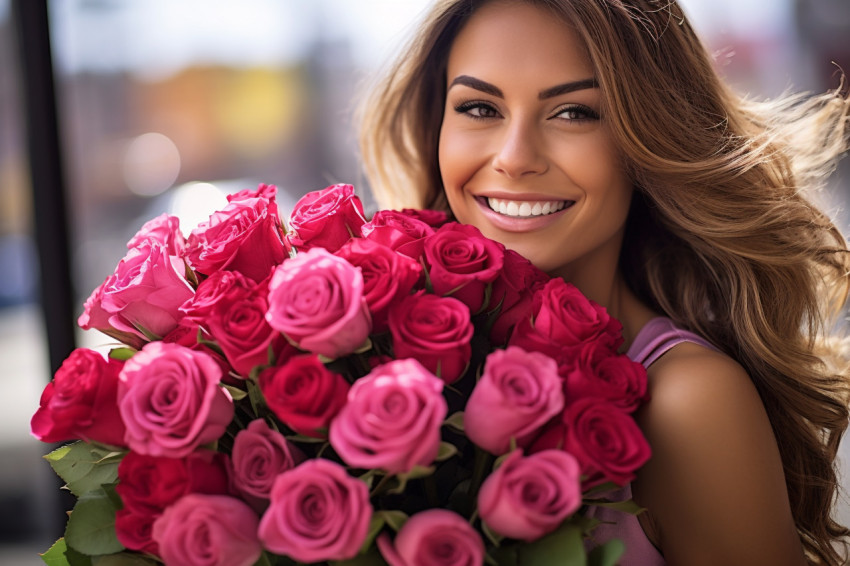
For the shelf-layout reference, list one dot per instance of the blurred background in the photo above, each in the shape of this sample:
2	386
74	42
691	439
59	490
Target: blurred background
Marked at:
168	105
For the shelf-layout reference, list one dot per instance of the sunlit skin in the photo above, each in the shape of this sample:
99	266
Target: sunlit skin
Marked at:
522	123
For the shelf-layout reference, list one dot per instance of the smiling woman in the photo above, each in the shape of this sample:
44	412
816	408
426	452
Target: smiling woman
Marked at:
596	138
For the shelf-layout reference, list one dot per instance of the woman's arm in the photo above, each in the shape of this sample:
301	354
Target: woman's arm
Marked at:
714	488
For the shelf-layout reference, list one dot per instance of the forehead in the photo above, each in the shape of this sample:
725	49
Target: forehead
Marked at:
520	37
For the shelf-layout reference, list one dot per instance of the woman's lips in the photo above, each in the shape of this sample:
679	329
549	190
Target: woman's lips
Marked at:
522	215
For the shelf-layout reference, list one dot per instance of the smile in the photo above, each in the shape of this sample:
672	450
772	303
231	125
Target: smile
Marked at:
526	209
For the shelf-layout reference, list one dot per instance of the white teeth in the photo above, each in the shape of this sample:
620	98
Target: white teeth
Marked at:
524	209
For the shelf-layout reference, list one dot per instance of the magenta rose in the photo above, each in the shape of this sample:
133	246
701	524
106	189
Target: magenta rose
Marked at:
164	230
317	512
171	401
259	454
434	330
528	497
392	419
81	402
155	482
435	537
398	231
244	236
237	323
604	439
304	394
388	276
462	263
221	286
562	320
208	530
325	219
516	395
597	372
512	294
142	298
316	300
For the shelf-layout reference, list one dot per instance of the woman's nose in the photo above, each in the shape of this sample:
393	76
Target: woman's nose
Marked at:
519	153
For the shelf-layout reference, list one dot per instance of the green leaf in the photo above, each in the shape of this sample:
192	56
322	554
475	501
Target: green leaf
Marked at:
235	392
91	525
455	421
375	526
84	467
395	519
55	555
563	546
446	451
371	558
503	556
606	554
122	354
416	473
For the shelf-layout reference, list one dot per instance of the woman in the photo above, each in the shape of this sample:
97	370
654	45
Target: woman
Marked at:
595	138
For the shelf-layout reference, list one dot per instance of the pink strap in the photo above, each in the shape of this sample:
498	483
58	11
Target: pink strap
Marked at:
657	337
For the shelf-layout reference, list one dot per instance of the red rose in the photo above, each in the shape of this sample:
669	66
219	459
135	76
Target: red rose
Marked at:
562	319
134	528
237	323
220	286
462	262
81	402
604	439
398	231
244	236
155	482
325	219
304	394
388	276
434	330
597	372
512	293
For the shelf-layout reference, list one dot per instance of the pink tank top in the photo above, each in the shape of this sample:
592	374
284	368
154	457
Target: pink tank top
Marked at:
655	339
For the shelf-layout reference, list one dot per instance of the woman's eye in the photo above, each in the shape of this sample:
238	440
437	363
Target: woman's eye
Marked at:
576	113
477	110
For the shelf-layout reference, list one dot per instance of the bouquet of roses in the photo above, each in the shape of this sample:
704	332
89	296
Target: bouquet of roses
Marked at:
398	391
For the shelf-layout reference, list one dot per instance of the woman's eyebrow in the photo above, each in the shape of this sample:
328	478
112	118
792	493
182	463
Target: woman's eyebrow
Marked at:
556	90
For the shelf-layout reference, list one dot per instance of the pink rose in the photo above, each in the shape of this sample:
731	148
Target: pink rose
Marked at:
400	232
392	419
142	297
164	230
304	394
604	439
512	293
562	320
436	537
528	497
259	454
81	402
433	218
517	394
388	276
597	372
434	330
244	236
318	512
237	323
208	530
462	262
325	219
316	300
170	400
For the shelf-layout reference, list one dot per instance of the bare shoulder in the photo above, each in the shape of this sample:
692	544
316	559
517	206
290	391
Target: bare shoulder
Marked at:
714	487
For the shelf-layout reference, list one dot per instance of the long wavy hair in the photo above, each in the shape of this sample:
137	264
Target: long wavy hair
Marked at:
730	244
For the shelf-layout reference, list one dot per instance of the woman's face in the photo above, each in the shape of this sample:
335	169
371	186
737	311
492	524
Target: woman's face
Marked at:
524	155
